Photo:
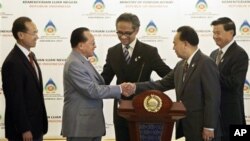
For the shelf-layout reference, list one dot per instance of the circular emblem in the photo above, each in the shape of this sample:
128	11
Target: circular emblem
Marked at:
152	103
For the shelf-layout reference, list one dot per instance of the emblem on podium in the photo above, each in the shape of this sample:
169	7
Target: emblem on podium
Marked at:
152	103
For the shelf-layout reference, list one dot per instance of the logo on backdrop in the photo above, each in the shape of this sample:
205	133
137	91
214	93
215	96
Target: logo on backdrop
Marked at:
202	11
51	34
201	5
245	28
50	87
151	34
244	32
99	11
50	28
93	59
50	91
151	28
99	6
246	89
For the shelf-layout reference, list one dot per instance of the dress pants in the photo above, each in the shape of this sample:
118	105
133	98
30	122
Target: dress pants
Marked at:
84	139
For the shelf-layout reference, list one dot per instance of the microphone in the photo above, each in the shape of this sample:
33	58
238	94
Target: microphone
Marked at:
138	80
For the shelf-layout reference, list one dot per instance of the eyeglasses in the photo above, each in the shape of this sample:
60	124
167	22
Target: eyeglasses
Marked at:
127	34
32	34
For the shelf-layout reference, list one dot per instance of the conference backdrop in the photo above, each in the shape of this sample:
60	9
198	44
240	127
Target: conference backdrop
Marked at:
55	20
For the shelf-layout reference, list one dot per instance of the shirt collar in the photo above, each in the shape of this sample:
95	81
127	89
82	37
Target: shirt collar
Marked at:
131	45
224	49
23	49
191	57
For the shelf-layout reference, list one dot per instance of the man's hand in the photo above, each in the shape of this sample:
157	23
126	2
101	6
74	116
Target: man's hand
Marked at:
128	89
27	136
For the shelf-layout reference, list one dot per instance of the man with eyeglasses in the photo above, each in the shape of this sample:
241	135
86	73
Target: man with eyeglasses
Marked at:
25	113
130	61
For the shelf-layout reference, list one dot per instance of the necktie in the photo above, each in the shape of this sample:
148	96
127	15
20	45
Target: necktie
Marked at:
31	58
185	68
218	57
126	54
32	62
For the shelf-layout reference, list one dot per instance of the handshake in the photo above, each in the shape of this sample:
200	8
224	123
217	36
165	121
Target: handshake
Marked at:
128	89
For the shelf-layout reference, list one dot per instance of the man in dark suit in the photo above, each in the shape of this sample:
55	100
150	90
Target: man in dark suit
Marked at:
25	114
196	82
136	65
233	65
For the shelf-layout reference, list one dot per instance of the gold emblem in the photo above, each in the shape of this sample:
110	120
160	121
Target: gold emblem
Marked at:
152	103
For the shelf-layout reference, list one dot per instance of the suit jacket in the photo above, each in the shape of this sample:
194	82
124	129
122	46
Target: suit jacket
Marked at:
84	89
144	60
233	68
200	94
25	108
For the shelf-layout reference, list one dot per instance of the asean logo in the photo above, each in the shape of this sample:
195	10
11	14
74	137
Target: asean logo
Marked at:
98	6
201	6
50	87
151	28
50	28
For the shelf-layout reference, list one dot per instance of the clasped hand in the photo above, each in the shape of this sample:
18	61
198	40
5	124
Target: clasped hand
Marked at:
128	89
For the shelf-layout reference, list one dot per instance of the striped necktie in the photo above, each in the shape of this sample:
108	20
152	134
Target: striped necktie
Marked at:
126	54
218	57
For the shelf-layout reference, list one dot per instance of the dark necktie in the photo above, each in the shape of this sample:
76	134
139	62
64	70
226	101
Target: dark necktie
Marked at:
126	54
185	68
218	57
31	58
32	62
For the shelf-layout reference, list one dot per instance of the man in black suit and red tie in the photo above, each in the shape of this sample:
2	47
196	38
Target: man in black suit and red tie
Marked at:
232	61
130	61
25	113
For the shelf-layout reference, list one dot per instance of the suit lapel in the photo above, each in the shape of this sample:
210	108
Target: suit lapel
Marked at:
226	56
28	66
90	67
191	69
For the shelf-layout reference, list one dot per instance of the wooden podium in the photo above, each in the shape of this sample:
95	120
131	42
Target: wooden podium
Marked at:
151	115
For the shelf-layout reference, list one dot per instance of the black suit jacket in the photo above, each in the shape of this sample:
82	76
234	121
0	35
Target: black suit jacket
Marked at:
144	60
25	108
233	68
199	92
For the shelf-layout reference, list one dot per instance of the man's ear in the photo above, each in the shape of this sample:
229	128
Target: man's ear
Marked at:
20	35
81	45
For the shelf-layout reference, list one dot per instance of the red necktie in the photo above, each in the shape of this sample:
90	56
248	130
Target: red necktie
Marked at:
31	58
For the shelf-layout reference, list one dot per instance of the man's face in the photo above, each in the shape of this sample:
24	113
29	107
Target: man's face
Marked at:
89	46
28	39
125	32
220	36
179	46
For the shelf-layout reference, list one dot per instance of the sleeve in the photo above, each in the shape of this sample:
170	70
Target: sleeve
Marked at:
164	84
211	89
157	63
86	84
13	86
236	76
108	73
